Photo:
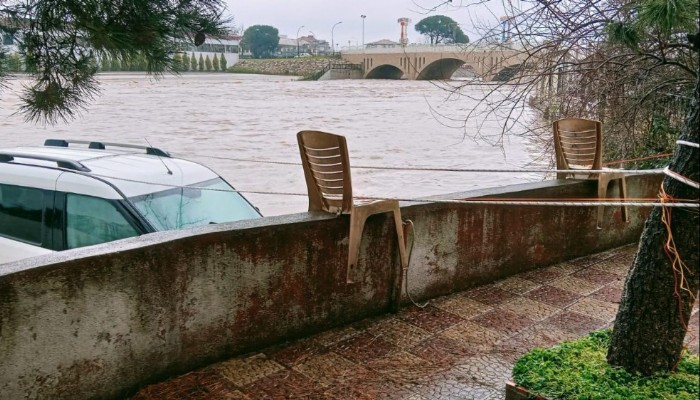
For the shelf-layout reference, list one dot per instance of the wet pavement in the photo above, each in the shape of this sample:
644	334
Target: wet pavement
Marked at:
461	346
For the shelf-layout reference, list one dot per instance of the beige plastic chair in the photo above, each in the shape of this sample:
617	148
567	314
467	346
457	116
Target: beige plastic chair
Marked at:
578	144
326	165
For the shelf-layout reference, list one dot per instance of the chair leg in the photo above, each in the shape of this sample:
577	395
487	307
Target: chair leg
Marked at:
623	195
357	225
602	194
399	233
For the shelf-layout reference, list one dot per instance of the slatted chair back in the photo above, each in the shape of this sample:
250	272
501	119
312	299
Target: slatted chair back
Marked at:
327	171
578	145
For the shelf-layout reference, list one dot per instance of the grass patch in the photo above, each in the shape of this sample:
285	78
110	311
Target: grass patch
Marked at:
578	370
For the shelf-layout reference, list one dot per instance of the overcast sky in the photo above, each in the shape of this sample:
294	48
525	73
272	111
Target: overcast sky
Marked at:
318	16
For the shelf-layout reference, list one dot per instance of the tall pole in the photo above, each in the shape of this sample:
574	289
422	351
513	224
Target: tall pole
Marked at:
363	29
332	42
298	39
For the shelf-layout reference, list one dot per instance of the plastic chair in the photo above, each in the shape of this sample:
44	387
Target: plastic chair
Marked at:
578	144
326	165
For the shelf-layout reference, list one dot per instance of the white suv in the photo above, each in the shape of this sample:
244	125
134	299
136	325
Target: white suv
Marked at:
61	196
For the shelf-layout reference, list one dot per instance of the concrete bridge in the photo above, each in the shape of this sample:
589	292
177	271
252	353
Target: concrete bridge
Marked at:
433	62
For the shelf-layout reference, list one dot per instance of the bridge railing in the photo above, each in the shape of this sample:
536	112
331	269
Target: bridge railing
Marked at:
446	48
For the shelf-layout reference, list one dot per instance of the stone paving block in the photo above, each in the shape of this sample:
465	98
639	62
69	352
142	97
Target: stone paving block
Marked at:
325	368
334	336
453	389
290	354
430	318
197	385
401	334
575	285
613	266
595	275
474	335
363	383
536	336
574	322
403	366
532	309
620	284
503	321
595	308
608	293
285	384
242	371
462	306
485	369
568	267
490	295
553	296
363	347
543	275
517	285
442	350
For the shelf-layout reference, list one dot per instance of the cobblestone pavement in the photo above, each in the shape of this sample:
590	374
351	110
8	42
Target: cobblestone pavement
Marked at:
461	346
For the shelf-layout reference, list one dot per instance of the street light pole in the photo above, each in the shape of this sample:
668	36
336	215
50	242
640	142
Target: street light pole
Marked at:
363	29
298	39
332	42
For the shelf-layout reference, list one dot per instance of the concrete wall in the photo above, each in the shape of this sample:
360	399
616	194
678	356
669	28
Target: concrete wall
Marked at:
102	321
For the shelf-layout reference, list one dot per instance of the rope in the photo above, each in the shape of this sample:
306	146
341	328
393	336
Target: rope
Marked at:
480	201
638	159
474	170
687	143
680	283
405	270
681	178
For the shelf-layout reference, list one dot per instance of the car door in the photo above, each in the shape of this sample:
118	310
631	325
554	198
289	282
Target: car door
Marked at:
24	222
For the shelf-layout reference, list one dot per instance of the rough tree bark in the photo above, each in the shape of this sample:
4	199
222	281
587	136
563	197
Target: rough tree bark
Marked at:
649	328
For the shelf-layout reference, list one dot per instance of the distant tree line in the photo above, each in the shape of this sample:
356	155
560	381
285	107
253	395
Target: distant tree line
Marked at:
182	63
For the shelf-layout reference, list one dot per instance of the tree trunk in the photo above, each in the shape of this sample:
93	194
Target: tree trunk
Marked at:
650	324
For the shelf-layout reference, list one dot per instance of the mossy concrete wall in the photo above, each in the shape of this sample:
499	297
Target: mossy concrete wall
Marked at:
285	66
102	321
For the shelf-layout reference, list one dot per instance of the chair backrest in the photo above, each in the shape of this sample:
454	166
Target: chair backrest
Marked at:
578	144
324	157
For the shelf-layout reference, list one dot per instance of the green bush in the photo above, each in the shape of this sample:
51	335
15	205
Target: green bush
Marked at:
193	62
14	63
215	63
185	66
578	370
115	65
222	62
207	64
201	63
105	64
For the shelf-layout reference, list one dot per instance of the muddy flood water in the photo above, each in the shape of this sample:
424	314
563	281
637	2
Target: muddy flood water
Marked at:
227	121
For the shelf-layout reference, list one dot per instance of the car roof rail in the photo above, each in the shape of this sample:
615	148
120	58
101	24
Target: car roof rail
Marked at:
154	151
61	162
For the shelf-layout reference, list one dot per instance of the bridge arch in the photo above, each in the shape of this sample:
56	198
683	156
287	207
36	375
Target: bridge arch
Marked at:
440	69
385	71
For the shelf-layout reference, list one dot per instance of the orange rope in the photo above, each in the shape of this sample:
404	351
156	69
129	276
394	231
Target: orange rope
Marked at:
638	159
680	283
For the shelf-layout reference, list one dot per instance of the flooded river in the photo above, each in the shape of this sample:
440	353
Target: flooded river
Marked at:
215	118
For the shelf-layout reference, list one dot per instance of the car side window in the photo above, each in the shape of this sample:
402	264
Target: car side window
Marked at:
91	220
21	213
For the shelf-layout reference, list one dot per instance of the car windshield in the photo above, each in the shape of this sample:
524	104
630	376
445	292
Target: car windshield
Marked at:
209	202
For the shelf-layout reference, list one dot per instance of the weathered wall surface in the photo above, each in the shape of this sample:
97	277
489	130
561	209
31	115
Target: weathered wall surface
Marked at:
286	66
102	321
